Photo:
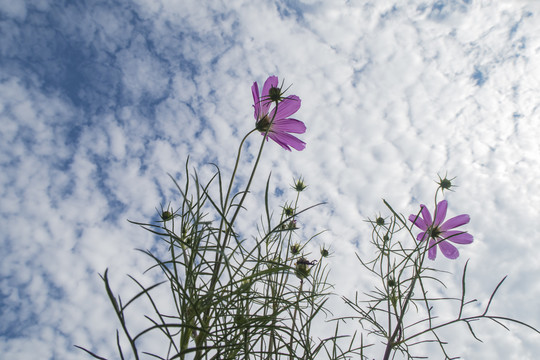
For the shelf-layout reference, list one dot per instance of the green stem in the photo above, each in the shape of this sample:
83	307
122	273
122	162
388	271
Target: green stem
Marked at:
399	325
223	244
236	168
294	318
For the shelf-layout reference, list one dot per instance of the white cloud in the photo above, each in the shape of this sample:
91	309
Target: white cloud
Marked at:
16	9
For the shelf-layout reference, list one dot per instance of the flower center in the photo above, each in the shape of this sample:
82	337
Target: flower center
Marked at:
263	124
435	232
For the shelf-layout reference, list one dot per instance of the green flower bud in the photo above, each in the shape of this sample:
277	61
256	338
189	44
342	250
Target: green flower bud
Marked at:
288	211
302	268
394	299
291	225
166	215
245	286
299	185
302	271
446	183
274	94
324	252
240	320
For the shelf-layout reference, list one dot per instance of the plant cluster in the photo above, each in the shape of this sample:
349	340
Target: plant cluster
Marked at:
257	297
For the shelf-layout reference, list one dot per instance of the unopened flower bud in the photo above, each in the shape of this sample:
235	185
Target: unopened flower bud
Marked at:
244	286
240	320
291	225
288	211
303	267
295	249
166	215
299	185
302	271
274	94
446	183
394	299
324	252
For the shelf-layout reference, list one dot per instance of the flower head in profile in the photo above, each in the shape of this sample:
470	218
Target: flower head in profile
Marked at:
439	232
277	122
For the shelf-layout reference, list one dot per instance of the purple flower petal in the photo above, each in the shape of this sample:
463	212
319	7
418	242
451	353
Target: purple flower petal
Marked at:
441	212
274	137
455	222
289	125
426	215
286	140
271	82
422	236
256	104
417	220
458	237
287	107
448	250
432	251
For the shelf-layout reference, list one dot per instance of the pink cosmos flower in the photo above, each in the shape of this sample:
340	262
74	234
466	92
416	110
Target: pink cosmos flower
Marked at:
440	233
277	123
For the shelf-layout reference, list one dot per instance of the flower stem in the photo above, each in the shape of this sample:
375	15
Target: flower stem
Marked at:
294	318
396	334
222	244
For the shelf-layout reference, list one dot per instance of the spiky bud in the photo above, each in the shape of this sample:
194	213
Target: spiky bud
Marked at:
166	215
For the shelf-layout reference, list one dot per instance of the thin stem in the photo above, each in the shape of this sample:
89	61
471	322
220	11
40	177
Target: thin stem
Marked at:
399	325
294	318
236	168
229	226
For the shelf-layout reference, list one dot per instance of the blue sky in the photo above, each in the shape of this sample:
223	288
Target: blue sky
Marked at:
99	100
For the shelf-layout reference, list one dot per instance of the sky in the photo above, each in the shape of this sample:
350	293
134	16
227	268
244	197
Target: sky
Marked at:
101	100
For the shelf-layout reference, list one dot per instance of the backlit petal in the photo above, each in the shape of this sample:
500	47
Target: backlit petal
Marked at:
287	107
417	220
432	251
256	104
287	140
458	237
278	140
289	125
441	212
422	236
455	222
448	250
271	82
426	215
